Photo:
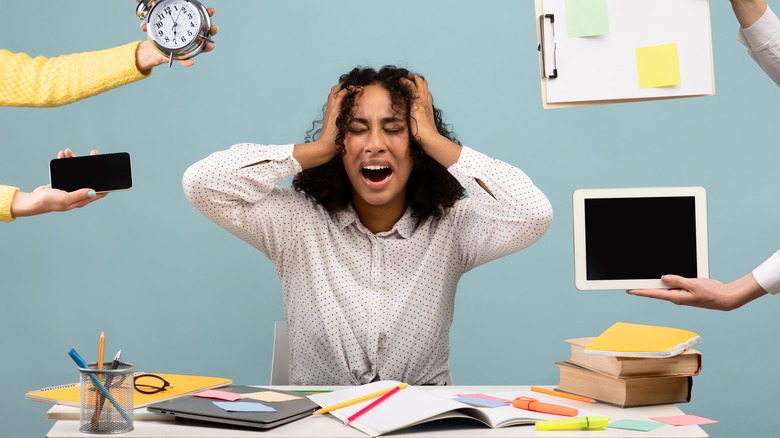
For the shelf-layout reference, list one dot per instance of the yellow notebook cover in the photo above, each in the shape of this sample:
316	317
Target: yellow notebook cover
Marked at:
638	340
69	395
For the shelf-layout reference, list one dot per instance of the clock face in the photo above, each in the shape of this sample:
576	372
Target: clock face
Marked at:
174	24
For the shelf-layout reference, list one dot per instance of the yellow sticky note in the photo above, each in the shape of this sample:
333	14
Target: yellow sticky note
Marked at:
270	396
658	66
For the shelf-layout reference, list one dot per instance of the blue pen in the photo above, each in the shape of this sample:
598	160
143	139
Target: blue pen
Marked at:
82	364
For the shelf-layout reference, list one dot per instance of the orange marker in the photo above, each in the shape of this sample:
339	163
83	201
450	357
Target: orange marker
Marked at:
532	404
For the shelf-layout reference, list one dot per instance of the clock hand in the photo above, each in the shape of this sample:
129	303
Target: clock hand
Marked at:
176	21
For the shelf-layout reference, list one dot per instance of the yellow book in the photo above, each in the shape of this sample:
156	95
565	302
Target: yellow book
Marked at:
638	340
70	395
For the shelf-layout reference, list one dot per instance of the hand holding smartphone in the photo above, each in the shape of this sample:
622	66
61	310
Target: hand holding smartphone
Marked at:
101	173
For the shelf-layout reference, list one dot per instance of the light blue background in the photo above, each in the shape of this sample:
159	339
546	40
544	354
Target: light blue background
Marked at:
178	294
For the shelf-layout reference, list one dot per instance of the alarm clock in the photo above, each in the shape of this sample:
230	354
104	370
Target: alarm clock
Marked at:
179	29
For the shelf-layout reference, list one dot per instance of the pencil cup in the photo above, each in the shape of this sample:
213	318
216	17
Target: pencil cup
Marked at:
107	399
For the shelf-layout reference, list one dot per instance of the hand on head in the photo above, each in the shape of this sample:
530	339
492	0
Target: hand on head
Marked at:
422	115
424	128
329	131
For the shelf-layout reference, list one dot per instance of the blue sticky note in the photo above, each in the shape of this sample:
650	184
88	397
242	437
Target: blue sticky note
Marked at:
481	402
244	407
640	425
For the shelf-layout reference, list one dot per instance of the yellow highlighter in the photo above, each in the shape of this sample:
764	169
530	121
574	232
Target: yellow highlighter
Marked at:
583	423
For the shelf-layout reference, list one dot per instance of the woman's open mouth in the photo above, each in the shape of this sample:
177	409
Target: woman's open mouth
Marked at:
375	173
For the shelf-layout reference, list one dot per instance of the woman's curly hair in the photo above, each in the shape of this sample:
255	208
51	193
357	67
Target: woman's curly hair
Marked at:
430	189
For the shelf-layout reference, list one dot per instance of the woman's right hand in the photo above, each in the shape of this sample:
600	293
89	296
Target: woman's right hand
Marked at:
332	111
324	148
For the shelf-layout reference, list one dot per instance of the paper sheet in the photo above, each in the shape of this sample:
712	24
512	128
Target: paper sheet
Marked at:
684	420
658	66
640	425
480	402
244	407
270	396
221	395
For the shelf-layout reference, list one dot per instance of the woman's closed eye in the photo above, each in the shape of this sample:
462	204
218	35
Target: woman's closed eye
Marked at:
357	129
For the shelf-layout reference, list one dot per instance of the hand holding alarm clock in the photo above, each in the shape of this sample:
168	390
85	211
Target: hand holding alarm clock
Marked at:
178	29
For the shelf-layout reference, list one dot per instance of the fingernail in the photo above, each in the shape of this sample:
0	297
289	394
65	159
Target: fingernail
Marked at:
91	194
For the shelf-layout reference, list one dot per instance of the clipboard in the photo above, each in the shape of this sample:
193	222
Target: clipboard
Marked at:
604	69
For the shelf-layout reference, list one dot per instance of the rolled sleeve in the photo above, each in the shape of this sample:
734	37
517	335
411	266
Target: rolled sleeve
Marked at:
763	42
6	199
767	274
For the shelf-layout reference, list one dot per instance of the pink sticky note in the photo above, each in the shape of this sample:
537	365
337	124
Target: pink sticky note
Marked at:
486	397
684	420
221	395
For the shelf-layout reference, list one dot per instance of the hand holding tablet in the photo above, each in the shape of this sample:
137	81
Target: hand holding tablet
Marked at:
627	238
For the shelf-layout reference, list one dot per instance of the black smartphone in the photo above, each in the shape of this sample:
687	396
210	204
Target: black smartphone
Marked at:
101	173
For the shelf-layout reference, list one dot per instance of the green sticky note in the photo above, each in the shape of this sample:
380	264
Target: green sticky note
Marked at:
586	18
640	425
658	66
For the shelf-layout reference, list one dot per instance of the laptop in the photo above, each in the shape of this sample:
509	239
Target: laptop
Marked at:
204	409
627	238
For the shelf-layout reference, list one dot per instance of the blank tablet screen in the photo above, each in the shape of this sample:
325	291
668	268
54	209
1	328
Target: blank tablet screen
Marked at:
640	238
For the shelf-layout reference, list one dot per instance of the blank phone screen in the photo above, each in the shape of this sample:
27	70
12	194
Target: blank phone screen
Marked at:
640	238
101	173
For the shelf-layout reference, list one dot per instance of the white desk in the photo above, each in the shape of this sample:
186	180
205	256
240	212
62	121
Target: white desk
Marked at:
328	426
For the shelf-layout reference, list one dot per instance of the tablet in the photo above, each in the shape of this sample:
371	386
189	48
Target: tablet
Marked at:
203	409
627	238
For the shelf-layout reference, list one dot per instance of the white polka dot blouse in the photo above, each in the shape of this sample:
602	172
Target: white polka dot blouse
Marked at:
361	306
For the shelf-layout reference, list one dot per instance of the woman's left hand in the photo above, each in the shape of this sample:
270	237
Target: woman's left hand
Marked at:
423	125
422	118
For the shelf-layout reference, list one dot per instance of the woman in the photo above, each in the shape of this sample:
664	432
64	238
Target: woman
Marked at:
371	242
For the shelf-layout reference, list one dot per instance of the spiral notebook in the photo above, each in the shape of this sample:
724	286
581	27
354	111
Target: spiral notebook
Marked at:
639	340
70	394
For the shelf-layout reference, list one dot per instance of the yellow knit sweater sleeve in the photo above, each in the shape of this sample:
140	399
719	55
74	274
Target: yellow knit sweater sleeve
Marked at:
6	196
49	82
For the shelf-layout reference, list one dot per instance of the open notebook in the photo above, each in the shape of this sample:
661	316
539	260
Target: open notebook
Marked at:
413	406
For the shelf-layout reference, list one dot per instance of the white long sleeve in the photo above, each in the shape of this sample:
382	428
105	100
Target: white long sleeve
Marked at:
763	42
767	274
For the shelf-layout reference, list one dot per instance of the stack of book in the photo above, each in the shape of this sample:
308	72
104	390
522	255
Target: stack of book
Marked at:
651	378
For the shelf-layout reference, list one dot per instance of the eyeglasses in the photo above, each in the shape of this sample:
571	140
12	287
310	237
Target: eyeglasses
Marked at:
150	384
